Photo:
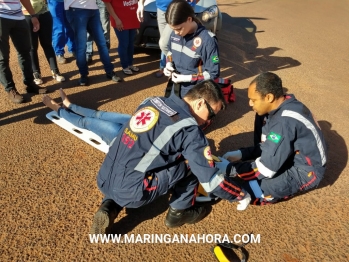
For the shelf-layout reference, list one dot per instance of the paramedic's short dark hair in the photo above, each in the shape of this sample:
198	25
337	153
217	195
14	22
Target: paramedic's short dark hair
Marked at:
268	83
208	90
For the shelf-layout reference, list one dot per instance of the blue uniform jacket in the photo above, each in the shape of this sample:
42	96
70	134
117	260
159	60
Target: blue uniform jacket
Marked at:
192	50
161	133
290	138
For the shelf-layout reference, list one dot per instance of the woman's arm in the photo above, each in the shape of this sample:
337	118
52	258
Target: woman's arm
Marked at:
28	6
118	22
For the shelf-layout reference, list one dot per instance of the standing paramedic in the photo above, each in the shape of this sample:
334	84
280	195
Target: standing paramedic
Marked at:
292	155
193	50
163	147
164	29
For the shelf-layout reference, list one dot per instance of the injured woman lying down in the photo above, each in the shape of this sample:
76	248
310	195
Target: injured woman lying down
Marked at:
104	124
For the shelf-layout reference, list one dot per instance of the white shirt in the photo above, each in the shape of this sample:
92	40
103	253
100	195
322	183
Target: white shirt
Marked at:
11	9
82	4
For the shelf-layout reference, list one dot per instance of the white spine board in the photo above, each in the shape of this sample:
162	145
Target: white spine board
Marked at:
84	134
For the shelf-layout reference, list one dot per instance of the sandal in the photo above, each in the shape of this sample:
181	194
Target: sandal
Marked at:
127	71
134	68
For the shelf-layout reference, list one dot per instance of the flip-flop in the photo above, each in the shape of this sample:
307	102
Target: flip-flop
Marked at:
127	71
134	68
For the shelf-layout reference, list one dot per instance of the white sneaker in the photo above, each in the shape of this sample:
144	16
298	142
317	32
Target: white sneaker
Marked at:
57	76
37	78
243	204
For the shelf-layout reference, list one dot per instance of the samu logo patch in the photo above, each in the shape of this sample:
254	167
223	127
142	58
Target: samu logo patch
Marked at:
144	119
273	137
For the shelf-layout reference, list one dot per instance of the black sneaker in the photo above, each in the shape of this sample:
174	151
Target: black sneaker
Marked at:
83	81
33	88
14	96
104	217
112	76
177	217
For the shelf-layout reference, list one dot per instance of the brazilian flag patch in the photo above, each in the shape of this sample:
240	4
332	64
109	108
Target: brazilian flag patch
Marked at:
215	59
273	137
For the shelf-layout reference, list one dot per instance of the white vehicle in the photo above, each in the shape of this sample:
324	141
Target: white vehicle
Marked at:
148	34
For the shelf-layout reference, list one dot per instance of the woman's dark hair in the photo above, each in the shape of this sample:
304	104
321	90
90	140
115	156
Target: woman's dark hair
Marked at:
208	90
268	83
178	12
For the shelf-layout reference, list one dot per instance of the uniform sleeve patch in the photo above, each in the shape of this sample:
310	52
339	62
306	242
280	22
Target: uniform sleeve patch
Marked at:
144	119
197	41
215	59
159	104
274	137
207	153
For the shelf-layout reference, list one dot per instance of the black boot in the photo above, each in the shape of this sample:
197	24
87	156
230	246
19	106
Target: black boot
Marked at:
179	217
104	217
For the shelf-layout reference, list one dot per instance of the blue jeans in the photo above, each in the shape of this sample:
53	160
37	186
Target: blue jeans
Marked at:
107	125
105	21
62	33
162	61
126	48
83	21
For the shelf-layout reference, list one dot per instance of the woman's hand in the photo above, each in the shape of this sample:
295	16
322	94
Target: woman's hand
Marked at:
119	25
36	24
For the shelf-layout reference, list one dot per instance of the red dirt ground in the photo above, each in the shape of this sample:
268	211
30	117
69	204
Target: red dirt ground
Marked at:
48	192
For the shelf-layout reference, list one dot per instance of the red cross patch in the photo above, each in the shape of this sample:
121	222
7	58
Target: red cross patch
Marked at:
144	119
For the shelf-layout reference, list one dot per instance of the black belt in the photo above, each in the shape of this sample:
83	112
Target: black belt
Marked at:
175	86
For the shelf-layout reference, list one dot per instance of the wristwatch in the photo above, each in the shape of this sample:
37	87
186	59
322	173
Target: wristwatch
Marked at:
34	15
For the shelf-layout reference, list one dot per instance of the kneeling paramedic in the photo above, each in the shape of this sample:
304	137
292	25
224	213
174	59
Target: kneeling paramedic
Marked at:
292	155
163	147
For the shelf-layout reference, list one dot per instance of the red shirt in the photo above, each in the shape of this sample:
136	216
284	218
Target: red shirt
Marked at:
126	10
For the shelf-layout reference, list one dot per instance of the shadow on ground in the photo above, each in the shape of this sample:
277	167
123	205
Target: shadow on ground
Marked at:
337	154
136	216
241	58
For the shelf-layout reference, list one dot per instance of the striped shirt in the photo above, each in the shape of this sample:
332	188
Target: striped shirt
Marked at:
82	4
11	9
